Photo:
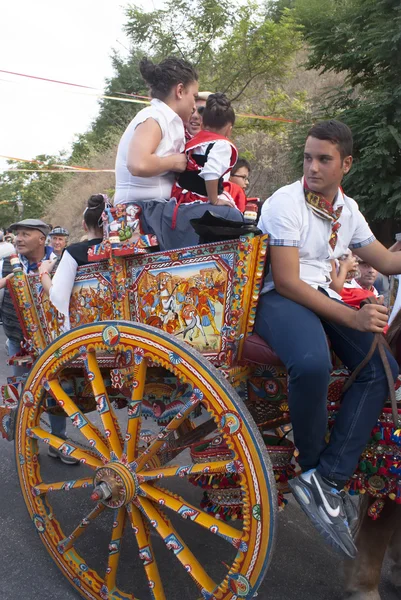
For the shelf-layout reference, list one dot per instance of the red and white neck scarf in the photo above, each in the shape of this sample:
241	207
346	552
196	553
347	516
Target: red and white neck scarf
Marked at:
324	209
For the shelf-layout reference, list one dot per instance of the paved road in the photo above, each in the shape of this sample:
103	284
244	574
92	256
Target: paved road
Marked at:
303	568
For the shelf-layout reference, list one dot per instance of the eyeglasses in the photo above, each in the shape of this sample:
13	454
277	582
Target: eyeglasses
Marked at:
244	177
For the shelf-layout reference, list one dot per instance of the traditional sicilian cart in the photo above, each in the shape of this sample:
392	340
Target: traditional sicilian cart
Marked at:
176	406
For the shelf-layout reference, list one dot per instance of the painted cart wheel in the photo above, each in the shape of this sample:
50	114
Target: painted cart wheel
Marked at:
109	521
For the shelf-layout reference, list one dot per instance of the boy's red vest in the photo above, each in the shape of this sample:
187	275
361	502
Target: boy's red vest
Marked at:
190	187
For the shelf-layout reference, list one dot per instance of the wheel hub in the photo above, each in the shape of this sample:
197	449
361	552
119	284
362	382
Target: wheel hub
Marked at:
115	485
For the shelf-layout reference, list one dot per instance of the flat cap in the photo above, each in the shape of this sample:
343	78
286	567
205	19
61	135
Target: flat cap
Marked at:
59	231
32	224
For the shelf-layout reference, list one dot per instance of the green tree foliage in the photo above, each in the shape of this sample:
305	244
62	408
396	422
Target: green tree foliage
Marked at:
232	45
25	195
363	39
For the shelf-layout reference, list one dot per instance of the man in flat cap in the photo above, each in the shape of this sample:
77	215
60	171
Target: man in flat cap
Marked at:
30	243
59	240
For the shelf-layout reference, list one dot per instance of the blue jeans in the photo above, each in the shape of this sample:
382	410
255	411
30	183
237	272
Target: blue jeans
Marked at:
298	336
58	424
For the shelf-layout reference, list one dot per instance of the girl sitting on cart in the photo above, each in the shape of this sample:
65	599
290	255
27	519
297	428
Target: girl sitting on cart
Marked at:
211	156
59	288
150	151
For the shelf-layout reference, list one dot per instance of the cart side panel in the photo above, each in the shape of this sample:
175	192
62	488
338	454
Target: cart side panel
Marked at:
200	294
32	310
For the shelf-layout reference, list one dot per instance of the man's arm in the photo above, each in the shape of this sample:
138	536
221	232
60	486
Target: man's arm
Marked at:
384	261
285	269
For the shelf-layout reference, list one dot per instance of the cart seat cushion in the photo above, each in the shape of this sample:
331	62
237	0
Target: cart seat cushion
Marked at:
256	351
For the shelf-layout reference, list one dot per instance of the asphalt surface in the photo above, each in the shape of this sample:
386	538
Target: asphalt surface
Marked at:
302	567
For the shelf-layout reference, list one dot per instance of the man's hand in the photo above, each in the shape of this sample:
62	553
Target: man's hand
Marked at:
371	317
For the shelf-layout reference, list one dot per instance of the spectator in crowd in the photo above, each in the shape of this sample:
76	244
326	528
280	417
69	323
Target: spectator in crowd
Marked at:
382	285
194	124
6	248
30	242
9	236
238	182
367	277
240	173
59	240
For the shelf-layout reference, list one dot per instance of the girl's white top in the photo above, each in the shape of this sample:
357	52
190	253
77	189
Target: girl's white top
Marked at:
130	188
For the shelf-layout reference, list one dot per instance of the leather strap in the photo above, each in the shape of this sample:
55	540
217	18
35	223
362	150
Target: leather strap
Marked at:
379	342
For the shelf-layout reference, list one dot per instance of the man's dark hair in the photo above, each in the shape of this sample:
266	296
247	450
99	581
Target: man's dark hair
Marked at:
335	132
241	162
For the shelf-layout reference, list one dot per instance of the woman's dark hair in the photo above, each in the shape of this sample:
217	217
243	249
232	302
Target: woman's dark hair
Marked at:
218	111
93	211
335	132
167	74
241	162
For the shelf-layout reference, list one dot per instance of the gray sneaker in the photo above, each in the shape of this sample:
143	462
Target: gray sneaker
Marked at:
325	507
67	460
351	511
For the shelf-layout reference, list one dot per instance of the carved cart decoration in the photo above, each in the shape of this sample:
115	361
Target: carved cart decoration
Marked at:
174	404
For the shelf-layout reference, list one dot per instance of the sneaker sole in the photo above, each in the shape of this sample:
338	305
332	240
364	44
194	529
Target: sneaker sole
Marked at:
327	533
63	460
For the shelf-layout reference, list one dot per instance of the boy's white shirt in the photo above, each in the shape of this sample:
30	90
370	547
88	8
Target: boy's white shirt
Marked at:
290	221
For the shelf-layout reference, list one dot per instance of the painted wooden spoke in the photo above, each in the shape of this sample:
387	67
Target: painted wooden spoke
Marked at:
104	407
66	447
78	418
174	542
146	552
188	511
69	541
219	466
135	412
161	438
115	548
65	486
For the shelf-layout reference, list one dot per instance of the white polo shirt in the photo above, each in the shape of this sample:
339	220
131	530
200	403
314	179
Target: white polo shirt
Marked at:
289	221
129	187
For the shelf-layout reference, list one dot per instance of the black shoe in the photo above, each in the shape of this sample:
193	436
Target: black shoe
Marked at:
325	507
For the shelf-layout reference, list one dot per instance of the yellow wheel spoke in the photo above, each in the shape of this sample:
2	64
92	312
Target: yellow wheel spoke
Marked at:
64	486
174	542
135	411
104	407
78	418
115	548
164	433
66	447
146	552
188	511
69	541
220	466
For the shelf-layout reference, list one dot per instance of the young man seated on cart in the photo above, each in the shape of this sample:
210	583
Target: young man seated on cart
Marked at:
310	223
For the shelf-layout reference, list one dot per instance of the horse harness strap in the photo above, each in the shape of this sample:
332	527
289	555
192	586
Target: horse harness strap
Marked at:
380	343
